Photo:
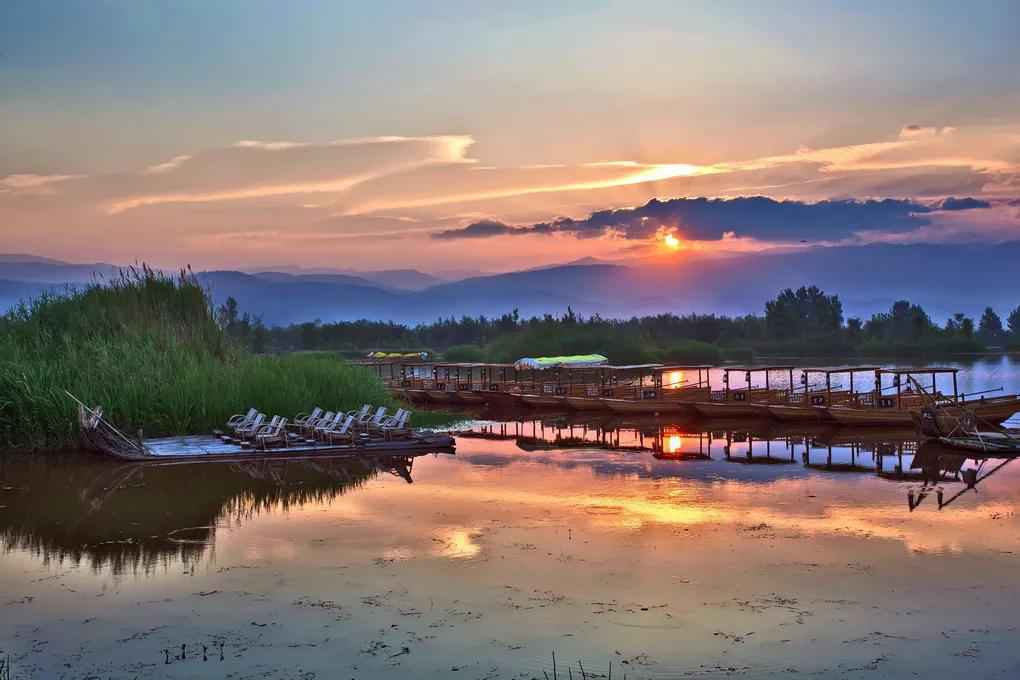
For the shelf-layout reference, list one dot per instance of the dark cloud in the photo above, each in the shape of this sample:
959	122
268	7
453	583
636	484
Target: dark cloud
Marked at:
708	219
482	229
954	203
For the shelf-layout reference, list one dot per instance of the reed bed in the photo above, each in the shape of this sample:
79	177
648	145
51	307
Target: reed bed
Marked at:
147	349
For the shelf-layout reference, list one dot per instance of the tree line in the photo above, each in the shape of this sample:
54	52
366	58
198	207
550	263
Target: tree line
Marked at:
803	321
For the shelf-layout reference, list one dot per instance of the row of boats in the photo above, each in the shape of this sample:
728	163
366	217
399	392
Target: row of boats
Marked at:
891	396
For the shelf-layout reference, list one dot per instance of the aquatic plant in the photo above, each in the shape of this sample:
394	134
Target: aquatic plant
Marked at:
148	349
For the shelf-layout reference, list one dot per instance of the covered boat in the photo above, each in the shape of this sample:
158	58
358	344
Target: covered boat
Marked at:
571	361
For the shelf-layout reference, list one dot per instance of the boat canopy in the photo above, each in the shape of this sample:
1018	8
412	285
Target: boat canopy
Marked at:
574	361
398	355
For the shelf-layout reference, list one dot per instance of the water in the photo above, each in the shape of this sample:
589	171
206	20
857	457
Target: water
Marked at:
662	548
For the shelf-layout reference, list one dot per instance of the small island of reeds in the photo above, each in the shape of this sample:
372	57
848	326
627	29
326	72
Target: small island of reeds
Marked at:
148	348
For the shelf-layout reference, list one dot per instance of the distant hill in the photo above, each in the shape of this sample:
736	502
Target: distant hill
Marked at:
401	279
44	270
396	279
942	278
23	258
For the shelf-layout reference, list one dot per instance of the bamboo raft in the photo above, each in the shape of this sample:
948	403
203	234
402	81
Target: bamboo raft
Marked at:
100	436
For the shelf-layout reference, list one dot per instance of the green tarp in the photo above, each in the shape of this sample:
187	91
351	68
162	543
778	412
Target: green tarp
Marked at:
575	361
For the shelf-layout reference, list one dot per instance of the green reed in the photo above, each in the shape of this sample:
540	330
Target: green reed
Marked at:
147	348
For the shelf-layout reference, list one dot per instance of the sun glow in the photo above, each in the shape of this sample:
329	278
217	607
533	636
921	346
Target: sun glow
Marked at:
671	242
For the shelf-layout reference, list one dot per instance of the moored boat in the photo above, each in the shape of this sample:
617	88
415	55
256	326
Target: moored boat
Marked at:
650	406
794	412
100	436
730	409
586	403
543	400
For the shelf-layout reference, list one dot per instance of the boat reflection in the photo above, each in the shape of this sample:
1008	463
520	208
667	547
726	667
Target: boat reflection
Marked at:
895	454
140	516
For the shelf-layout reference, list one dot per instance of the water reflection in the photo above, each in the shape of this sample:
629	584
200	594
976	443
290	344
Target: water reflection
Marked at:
895	454
141	516
659	541
135	517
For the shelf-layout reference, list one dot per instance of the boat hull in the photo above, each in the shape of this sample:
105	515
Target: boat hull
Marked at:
586	403
211	448
729	409
649	406
995	410
471	397
543	400
787	412
441	396
866	416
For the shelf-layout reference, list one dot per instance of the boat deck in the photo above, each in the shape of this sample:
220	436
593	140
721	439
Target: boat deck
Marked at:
210	446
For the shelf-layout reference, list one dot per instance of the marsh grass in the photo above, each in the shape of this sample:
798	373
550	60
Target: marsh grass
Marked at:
147	348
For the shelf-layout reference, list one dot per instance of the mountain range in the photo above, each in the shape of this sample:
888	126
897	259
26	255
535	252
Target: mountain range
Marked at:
944	279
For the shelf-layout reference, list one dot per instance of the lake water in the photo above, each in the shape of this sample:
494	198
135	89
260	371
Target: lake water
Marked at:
663	549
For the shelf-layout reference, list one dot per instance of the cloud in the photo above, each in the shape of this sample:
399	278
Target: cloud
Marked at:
172	164
253	169
481	229
30	182
705	219
954	203
175	207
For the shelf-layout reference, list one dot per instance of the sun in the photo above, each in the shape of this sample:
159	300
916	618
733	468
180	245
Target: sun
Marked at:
672	242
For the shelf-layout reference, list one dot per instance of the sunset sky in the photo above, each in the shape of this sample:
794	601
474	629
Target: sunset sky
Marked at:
463	135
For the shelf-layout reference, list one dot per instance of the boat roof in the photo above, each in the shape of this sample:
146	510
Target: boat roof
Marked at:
468	364
686	367
841	369
924	369
764	367
572	360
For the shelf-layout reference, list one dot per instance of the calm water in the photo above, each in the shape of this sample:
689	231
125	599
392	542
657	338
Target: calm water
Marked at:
662	548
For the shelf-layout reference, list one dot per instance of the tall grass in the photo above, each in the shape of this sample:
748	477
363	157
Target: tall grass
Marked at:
147	348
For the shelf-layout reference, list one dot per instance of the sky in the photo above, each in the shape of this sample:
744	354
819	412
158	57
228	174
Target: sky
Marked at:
465	136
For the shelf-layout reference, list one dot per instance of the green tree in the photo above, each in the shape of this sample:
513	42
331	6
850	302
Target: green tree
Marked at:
990	329
805	313
1014	324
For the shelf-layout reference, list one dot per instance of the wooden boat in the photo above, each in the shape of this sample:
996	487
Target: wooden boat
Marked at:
730	409
543	400
100	436
906	405
988	443
749	401
651	406
470	396
586	403
793	412
441	396
812	401
658	390
850	415
502	400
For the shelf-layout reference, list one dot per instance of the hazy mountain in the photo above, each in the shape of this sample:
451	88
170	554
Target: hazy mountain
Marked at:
942	278
297	299
44	270
402	279
23	258
397	279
